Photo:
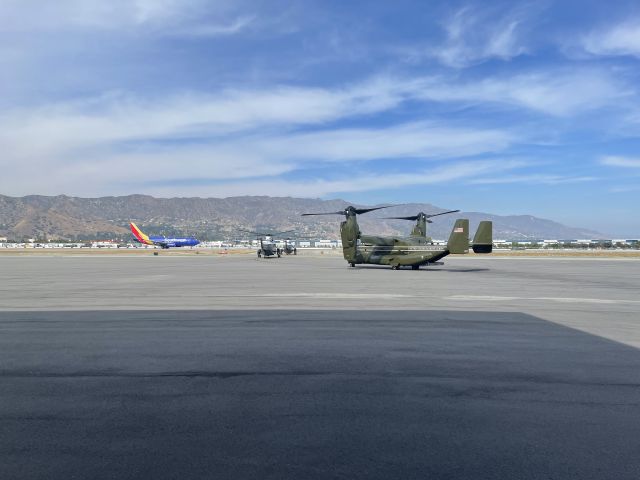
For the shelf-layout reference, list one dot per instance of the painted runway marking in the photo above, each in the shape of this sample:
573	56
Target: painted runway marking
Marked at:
336	295
491	298
487	298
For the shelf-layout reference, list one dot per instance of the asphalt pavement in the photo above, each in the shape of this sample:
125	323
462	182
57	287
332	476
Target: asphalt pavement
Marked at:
303	368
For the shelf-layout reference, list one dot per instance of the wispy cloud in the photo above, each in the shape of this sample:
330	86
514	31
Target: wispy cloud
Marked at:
625	162
625	188
114	166
545	179
156	11
619	39
413	140
113	140
457	171
249	133
164	17
81	14
474	35
556	92
234	133
216	29
74	126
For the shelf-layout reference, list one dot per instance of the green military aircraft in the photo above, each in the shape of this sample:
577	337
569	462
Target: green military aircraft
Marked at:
412	251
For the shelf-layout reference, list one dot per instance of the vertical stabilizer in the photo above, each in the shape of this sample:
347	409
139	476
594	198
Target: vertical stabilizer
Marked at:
483	239
459	238
140	236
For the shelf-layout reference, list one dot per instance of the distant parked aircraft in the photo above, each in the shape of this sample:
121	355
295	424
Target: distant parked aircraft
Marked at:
162	242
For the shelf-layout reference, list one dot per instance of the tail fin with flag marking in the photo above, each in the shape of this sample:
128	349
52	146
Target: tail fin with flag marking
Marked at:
459	238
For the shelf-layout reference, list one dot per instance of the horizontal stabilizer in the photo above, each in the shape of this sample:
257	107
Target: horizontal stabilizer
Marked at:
483	239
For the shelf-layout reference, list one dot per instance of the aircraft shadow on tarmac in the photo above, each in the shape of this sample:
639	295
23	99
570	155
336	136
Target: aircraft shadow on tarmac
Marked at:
459	270
435	268
313	394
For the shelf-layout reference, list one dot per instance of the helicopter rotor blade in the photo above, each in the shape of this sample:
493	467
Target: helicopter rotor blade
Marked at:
415	217
347	210
412	217
324	213
441	213
360	211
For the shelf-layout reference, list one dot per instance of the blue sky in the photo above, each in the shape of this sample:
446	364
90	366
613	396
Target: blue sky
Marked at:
503	107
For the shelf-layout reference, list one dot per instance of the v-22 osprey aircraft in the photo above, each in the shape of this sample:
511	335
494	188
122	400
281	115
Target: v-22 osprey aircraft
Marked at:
413	251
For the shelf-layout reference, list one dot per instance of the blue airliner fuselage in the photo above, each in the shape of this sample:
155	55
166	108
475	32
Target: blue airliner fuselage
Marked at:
174	242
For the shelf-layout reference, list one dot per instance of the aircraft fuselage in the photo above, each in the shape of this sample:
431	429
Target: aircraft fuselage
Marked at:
165	242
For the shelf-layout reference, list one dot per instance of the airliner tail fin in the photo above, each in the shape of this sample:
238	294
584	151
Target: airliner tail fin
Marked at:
139	235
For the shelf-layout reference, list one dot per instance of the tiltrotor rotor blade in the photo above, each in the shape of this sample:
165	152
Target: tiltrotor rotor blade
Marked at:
416	217
360	211
348	210
412	217
325	213
441	213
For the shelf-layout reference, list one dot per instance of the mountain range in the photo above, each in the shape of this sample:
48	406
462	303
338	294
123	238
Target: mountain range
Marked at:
74	218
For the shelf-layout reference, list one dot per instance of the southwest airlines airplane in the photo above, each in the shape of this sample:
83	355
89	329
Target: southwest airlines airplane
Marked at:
162	242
